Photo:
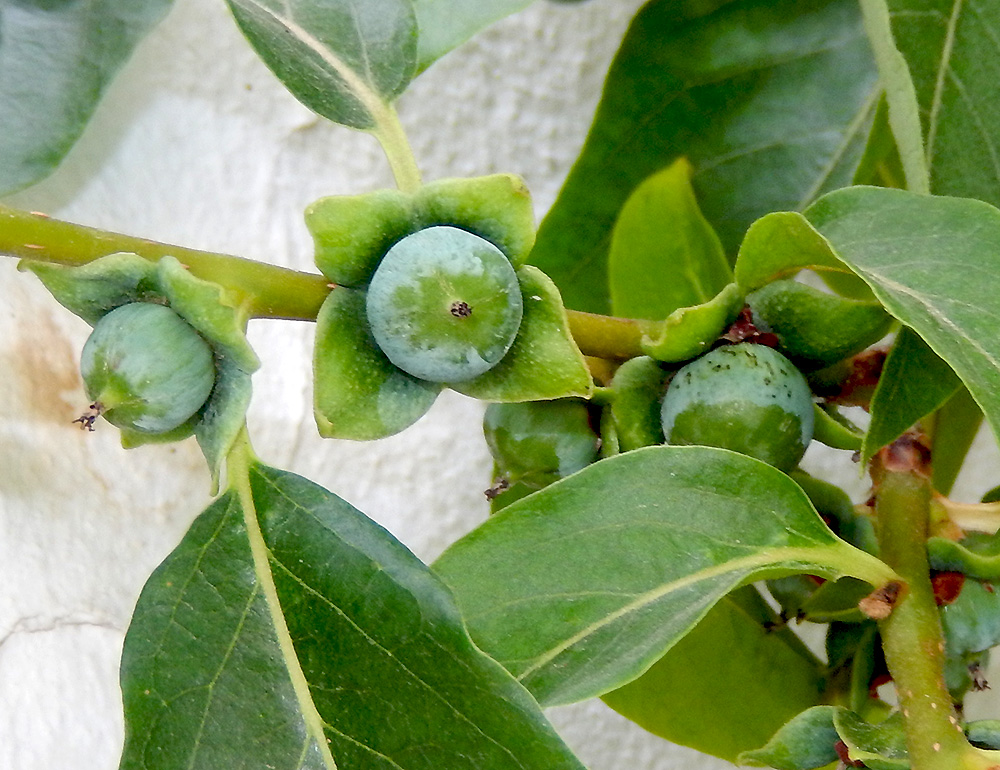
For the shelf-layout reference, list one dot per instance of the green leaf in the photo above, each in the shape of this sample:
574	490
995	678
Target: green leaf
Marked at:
952	54
804	743
446	24
778	246
698	693
690	331
984	733
880	746
931	263
344	59
915	382
581	587
664	255
357	392
971	623
977	555
835	431
544	361
287	630
56	61
769	100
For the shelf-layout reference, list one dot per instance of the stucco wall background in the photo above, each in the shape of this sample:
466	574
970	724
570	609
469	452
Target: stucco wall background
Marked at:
197	144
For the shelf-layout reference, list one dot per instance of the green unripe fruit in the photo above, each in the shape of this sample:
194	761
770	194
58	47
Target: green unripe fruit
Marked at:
816	329
444	305
748	398
539	442
146	369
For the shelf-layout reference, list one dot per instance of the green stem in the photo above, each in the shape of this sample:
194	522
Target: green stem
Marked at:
390	134
911	635
269	291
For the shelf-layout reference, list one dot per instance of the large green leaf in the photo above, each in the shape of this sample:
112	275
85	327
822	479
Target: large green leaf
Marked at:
739	649
770	101
56	60
344	59
446	24
931	261
581	587
951	51
287	630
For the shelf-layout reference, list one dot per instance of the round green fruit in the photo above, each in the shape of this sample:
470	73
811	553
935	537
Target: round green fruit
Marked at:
444	305
146	369
538	442
747	398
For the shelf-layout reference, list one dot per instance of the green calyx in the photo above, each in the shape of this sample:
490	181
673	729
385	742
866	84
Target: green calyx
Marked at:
431	290
747	398
444	305
146	369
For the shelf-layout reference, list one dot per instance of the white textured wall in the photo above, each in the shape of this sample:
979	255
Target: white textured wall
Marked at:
197	144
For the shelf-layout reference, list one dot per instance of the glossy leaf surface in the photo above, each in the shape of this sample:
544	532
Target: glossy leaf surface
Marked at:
56	61
287	630
698	693
344	59
770	101
690	331
581	587
804	743
663	254
931	262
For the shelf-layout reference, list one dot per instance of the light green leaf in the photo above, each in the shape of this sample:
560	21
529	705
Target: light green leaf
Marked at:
835	431
636	401
544	361
344	59
446	24
977	555
952	54
915	382
56	61
956	427
581	587
697	694
931	262
770	100
289	631
664	255
358	393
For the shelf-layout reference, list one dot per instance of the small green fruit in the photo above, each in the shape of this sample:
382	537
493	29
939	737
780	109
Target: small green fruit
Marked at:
538	442
444	305
816	329
748	398
146	369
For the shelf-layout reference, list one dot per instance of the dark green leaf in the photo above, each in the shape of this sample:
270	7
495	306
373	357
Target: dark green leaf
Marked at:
931	262
985	733
344	59
805	743
287	630
56	60
952	53
663	254
636	396
770	100
971	623
915	382
698	693
581	587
